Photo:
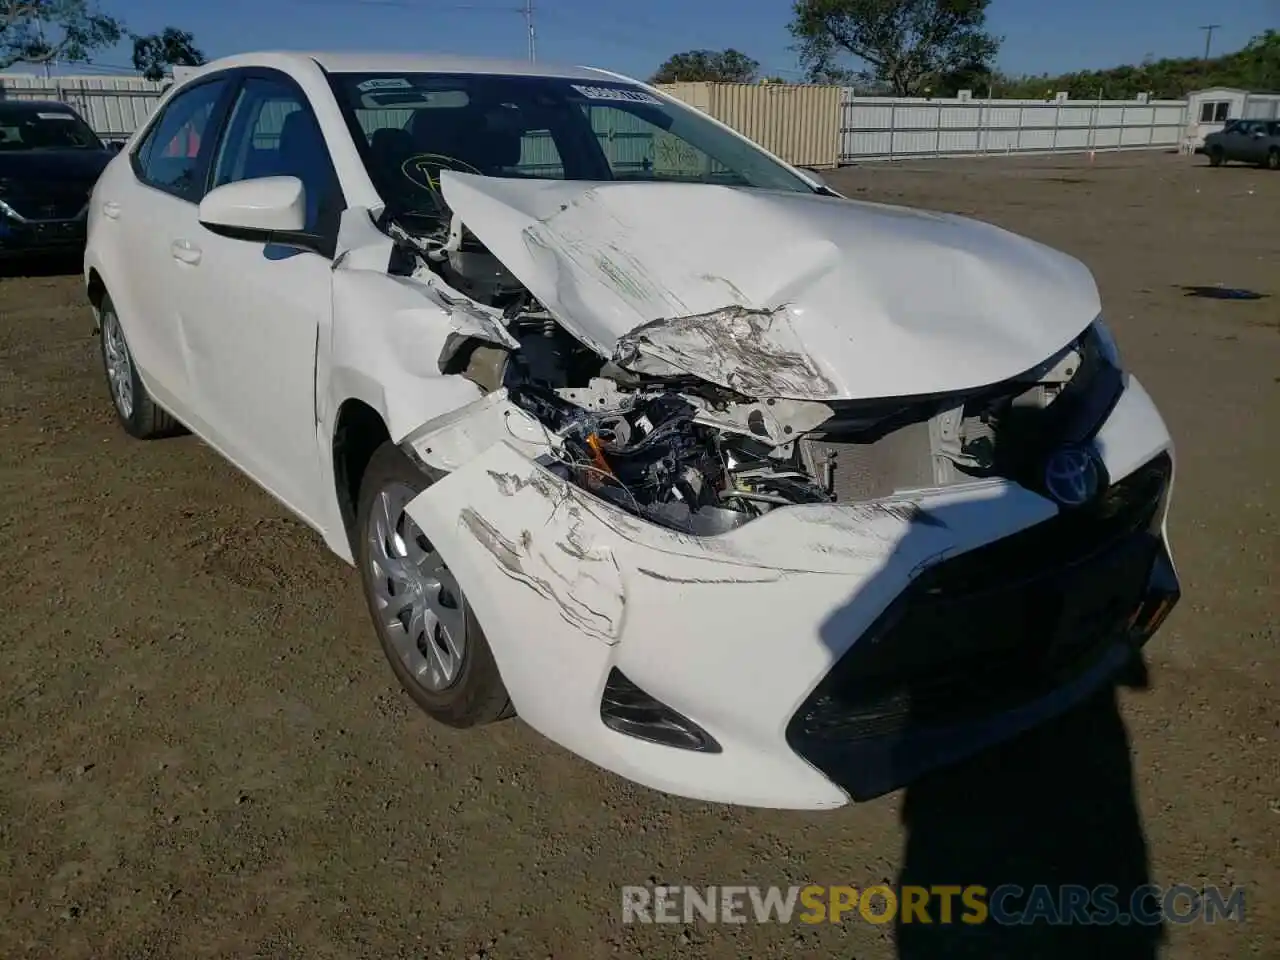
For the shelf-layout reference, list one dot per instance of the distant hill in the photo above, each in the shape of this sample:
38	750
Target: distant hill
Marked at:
1256	67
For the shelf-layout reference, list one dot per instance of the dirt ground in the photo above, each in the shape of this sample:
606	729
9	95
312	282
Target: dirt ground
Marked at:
202	752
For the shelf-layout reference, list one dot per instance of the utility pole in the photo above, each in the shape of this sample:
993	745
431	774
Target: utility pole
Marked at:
1208	37
40	34
528	22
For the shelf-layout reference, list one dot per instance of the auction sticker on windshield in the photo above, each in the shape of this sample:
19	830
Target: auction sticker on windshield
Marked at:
614	93
384	83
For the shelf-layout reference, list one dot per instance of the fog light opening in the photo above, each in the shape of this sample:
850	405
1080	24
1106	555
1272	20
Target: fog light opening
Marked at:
628	710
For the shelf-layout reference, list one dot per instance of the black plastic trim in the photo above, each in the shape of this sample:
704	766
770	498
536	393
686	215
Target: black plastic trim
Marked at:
994	640
626	709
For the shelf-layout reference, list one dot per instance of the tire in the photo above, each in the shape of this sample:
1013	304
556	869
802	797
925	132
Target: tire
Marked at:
1216	157
1273	159
453	679
140	416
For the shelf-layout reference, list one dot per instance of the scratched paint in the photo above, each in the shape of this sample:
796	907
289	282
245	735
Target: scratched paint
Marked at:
581	580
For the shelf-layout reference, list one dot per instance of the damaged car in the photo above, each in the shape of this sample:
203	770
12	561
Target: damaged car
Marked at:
729	484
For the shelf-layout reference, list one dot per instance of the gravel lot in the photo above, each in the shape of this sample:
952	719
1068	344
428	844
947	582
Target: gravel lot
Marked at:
203	754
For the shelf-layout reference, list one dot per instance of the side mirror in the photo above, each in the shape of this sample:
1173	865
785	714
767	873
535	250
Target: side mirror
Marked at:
114	146
261	206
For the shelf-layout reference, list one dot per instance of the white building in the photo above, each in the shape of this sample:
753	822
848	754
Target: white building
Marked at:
1209	110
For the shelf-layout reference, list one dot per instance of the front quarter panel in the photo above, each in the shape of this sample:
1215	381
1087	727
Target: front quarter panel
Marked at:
387	340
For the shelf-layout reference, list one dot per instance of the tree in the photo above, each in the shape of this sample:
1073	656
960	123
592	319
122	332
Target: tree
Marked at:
722	66
157	52
40	31
1256	67
909	44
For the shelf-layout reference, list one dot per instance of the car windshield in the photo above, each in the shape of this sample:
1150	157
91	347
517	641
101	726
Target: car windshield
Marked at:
410	126
44	128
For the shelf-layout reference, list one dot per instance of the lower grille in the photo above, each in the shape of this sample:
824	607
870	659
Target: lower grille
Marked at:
49	201
996	627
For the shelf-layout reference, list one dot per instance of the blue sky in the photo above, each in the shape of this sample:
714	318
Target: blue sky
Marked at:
634	37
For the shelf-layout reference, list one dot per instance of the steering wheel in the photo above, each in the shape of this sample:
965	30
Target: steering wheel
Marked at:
423	169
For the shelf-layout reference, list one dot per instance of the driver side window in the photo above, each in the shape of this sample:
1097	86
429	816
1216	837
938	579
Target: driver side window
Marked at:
274	133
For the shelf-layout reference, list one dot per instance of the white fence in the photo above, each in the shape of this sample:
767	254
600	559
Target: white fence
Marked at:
871	127
903	127
113	106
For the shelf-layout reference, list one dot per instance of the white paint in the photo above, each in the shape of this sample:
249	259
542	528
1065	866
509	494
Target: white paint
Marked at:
451	441
874	300
266	203
733	631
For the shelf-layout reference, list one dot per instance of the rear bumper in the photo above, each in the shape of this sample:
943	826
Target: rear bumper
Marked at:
754	634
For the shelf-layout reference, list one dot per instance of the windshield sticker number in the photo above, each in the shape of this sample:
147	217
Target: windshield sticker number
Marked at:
384	83
615	93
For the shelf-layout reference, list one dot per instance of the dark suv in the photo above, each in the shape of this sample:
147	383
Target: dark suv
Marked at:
49	161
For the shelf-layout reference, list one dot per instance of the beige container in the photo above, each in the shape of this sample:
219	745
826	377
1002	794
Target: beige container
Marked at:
798	122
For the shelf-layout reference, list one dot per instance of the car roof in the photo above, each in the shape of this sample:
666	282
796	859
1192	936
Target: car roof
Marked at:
375	62
31	106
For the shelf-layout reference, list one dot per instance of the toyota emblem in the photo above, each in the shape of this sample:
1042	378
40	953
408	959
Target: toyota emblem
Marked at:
1071	476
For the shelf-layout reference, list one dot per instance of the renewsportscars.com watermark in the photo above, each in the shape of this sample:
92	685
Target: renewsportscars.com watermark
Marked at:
1008	904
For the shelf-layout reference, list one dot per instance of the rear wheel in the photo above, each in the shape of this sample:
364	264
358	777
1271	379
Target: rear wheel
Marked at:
140	416
1216	156
430	636
1273	159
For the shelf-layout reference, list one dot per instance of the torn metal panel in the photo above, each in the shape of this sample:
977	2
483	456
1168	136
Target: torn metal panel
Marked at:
755	352
454	439
879	301
467	317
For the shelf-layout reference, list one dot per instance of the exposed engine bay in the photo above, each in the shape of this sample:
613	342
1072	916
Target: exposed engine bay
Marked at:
698	457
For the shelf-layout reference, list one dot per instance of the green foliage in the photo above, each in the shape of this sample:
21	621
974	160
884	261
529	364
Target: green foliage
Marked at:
155	53
912	46
1256	67
39	31
723	66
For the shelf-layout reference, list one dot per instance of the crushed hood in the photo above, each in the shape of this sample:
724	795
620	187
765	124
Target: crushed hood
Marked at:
780	294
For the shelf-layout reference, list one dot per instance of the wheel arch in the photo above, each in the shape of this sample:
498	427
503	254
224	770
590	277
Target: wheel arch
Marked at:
96	290
359	428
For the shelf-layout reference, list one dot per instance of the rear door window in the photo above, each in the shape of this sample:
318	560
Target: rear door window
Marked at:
172	157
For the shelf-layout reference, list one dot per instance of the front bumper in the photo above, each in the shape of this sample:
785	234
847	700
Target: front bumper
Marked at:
812	645
22	238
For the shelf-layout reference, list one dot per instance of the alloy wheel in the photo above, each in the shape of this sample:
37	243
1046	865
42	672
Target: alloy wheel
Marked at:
119	364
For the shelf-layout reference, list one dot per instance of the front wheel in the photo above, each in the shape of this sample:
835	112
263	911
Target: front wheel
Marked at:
430	636
1273	159
1216	157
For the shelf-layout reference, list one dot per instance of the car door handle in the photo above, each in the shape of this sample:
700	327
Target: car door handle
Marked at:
111	209
184	251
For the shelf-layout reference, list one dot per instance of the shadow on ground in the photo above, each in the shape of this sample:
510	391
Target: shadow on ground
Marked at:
49	265
934	693
1055	806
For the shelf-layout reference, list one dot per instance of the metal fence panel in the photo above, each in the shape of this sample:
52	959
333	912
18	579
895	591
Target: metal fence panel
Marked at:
113	106
900	127
811	125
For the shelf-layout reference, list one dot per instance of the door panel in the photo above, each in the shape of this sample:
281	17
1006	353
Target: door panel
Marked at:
149	211
259	304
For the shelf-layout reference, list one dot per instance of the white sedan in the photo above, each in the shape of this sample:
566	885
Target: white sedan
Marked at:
731	485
